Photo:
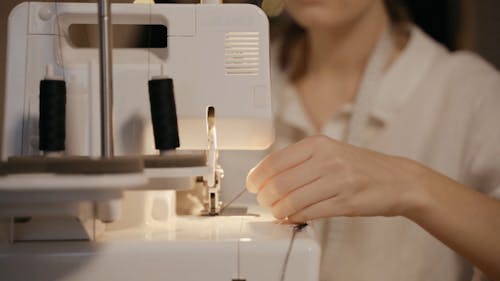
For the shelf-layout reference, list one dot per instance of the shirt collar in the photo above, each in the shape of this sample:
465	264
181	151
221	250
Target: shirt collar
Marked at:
398	83
401	79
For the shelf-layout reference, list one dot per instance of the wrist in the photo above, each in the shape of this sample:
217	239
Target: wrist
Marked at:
417	198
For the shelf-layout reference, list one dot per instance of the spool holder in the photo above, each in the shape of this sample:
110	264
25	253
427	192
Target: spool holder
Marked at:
106	77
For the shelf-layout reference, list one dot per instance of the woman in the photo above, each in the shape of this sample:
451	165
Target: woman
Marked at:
423	137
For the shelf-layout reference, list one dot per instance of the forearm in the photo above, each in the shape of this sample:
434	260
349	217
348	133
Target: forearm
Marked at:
465	220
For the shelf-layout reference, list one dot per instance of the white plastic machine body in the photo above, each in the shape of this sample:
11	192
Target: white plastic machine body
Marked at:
198	58
217	56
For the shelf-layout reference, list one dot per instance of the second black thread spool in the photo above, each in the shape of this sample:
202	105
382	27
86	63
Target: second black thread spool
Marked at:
52	119
163	113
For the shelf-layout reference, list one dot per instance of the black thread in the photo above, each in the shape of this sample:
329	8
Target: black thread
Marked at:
52	122
234	199
296	228
163	113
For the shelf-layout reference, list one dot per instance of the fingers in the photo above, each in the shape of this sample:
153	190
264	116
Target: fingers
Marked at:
297	182
276	163
331	207
304	197
282	184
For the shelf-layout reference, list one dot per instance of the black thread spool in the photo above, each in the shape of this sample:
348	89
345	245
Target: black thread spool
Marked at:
52	122
163	114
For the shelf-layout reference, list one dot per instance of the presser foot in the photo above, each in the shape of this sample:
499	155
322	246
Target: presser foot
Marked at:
213	206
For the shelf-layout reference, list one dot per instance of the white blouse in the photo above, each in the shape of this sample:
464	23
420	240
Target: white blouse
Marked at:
439	108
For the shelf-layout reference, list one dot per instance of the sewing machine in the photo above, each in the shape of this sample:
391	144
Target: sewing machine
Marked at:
97	200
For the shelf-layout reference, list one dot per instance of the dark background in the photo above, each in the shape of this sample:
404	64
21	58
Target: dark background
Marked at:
439	18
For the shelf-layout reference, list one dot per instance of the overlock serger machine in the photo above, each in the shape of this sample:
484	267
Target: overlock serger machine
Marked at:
96	142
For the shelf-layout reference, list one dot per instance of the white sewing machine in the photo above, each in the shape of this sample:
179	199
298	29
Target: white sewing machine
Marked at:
74	214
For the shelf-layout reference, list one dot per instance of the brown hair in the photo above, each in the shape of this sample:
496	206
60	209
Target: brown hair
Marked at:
292	38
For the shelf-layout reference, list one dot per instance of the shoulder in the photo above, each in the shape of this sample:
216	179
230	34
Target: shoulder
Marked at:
458	64
467	88
457	75
470	80
467	68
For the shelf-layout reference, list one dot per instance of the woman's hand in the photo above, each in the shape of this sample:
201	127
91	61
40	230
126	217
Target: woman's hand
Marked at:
320	177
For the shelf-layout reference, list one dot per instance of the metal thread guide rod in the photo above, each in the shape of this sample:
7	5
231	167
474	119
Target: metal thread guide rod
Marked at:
106	77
